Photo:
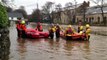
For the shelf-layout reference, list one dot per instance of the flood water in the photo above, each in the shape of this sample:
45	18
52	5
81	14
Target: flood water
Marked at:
57	49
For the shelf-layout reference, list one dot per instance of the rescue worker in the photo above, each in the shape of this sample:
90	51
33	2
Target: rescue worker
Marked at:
51	31
18	28
81	30
57	32
23	29
69	31
39	27
79	25
88	31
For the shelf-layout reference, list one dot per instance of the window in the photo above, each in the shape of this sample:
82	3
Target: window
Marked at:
98	19
105	18
15	18
86	19
10	18
77	20
90	20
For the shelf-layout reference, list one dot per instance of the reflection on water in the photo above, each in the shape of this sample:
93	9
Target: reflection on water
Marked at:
54	44
52	48
73	48
76	44
21	48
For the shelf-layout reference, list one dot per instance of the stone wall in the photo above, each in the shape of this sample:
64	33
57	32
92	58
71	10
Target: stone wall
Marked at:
4	44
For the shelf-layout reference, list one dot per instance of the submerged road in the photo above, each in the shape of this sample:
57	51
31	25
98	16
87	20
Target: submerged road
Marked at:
57	49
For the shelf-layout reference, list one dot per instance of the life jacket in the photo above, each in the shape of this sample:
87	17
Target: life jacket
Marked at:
80	28
52	30
88	31
18	26
39	28
58	29
69	31
23	27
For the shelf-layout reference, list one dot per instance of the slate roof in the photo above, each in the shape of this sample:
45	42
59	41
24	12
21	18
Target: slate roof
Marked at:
15	14
73	6
94	10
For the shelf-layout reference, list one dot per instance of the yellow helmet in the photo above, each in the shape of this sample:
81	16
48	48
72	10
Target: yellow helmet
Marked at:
81	32
69	26
23	22
87	25
81	27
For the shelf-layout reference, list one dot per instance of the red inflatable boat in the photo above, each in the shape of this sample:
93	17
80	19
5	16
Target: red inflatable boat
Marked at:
75	36
32	33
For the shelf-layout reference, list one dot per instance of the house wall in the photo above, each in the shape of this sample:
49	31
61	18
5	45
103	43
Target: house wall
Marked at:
64	18
90	18
93	18
14	18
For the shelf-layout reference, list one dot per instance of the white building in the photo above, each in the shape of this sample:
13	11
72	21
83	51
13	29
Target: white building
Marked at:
13	16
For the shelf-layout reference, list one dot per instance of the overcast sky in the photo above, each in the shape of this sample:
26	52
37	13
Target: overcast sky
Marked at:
31	4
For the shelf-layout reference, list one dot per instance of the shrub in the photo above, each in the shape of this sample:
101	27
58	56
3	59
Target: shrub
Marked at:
3	17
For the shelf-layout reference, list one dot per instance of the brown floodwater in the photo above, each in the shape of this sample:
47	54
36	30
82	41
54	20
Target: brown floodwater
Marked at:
57	49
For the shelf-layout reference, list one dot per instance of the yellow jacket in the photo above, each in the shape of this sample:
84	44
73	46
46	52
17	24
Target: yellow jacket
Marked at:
52	28
88	31
68	34
72	30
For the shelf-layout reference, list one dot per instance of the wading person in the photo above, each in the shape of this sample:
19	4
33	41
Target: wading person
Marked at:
81	30
57	32
18	27
51	31
79	25
39	27
68	32
88	31
23	29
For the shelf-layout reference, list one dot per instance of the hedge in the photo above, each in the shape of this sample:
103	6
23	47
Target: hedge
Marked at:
3	17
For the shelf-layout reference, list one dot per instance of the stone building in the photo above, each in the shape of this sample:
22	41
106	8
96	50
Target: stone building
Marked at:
14	16
69	14
66	16
93	15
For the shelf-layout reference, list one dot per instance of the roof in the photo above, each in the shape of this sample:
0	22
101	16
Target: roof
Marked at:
94	10
73	6
15	14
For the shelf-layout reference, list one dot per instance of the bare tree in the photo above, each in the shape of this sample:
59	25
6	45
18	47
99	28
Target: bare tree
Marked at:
4	1
101	6
7	1
68	5
47	9
68	10
36	15
9	9
82	9
59	10
22	10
